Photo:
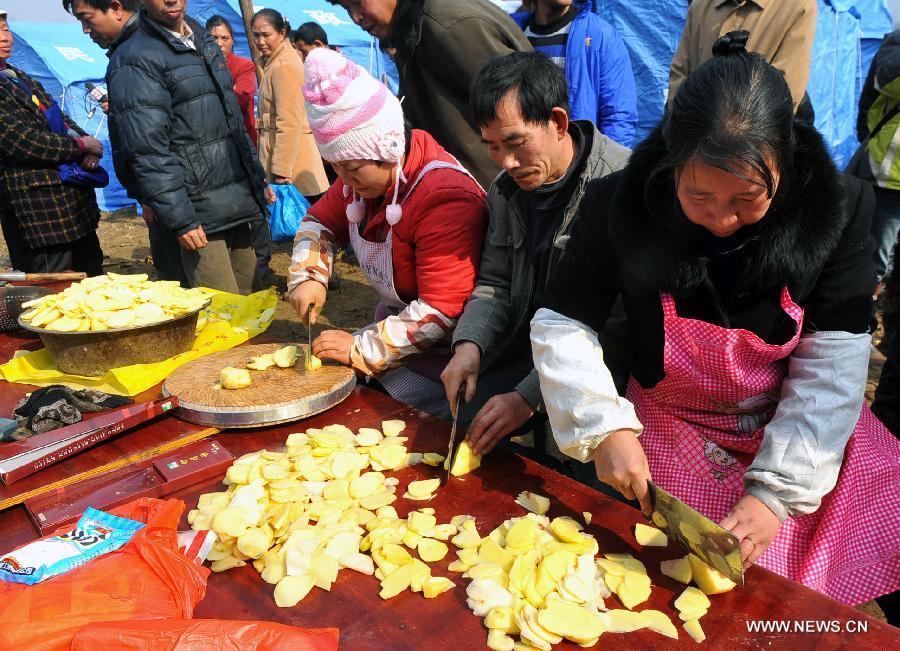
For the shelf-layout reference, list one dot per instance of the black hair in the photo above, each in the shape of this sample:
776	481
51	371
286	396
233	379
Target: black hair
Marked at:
539	83
274	18
103	5
218	21
734	112
309	33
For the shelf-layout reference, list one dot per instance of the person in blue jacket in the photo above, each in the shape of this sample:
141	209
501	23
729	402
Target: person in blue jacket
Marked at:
594	58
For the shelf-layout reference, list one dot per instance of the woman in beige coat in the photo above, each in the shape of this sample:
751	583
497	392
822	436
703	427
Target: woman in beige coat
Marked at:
287	149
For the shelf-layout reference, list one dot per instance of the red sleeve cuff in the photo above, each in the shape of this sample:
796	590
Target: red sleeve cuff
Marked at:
80	143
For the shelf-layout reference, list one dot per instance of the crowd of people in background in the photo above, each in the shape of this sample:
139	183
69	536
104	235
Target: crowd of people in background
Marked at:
696	307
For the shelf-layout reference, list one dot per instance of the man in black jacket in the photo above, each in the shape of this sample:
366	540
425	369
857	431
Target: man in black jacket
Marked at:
179	143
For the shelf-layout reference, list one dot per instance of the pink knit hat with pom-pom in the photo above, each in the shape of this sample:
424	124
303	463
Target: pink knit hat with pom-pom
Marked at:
353	116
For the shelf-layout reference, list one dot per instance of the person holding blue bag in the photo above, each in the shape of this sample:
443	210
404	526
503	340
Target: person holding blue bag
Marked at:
49	170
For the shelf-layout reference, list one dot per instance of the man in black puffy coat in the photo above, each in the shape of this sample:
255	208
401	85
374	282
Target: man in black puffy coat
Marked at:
179	143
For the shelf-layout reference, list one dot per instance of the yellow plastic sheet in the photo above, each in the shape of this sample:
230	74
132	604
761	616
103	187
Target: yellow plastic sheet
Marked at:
228	321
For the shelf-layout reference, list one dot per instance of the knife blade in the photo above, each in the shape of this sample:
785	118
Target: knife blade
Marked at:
451	452
307	364
715	546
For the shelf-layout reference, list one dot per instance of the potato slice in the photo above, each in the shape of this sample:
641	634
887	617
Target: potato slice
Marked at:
678	569
649	536
465	461
234	378
292	589
491	552
397	581
634	589
230	521
358	562
226	563
520	536
392	427
423	488
570	621
709	580
692	599
314	363
254	542
624	621
388	457
497	640
285	357
432	458
533	502
368	437
692	627
659	622
261	363
566	529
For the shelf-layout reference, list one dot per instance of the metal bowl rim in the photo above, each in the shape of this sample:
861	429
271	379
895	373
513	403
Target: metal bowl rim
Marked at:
131	329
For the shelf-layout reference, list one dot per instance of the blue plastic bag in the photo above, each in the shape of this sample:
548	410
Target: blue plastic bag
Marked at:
286	213
95	534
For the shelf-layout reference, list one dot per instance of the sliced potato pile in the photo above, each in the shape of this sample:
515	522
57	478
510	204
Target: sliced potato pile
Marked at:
302	515
325	504
112	301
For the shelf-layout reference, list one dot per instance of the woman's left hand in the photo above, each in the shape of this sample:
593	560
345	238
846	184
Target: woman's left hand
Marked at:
754	524
334	344
281	180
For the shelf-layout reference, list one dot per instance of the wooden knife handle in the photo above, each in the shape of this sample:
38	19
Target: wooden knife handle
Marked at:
53	277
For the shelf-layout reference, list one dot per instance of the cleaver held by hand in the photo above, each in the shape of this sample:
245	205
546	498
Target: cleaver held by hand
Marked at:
714	545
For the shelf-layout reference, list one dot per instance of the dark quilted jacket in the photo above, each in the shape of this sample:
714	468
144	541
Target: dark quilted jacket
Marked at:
178	136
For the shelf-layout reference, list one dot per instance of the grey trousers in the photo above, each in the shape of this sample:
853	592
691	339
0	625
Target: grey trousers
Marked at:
226	263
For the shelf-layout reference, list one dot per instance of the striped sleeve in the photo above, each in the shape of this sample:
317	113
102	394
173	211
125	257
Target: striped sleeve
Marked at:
384	344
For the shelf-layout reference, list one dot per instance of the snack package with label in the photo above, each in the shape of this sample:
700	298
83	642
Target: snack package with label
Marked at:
96	533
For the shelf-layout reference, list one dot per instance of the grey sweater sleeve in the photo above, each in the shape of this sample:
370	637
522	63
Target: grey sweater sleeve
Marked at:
803	445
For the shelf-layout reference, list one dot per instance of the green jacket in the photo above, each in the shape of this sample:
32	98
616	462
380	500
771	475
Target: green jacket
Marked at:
880	94
503	299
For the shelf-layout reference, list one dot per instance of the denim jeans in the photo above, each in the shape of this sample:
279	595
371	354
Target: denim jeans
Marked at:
885	224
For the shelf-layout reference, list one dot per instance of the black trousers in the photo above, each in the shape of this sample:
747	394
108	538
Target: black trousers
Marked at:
84	254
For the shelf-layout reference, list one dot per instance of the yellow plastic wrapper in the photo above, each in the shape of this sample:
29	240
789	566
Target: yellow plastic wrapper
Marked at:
228	321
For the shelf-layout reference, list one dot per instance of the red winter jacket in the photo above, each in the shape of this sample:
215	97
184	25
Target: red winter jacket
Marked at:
437	242
244	73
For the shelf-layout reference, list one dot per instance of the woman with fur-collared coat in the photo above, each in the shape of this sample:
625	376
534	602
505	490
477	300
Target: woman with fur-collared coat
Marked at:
744	262
287	149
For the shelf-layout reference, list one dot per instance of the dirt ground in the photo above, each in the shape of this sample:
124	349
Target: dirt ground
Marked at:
350	305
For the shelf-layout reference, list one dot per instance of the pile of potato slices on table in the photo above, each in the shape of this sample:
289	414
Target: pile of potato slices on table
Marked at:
326	504
111	302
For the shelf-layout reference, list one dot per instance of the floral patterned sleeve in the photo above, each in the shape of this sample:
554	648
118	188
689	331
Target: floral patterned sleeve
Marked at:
384	344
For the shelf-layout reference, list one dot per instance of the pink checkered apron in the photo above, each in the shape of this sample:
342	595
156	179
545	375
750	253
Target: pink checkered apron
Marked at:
703	424
417	382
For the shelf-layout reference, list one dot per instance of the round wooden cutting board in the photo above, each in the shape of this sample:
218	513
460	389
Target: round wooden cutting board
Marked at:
277	395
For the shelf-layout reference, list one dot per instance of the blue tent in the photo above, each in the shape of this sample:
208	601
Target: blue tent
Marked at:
50	46
848	34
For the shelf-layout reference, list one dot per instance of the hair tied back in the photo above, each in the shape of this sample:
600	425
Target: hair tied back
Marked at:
732	43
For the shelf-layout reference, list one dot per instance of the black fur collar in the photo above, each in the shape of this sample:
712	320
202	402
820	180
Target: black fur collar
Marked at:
792	241
406	29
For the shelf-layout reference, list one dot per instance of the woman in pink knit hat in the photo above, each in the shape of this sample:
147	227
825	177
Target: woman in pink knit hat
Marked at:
414	217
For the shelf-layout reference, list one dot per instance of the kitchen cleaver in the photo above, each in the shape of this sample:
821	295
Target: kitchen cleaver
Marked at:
451	452
717	547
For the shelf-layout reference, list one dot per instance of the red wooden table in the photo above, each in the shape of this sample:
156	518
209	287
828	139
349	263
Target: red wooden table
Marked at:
411	622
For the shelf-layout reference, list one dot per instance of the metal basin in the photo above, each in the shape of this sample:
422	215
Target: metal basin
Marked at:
94	353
